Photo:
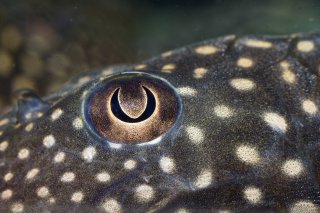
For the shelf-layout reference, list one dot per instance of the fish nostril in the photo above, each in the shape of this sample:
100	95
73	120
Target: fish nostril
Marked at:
132	108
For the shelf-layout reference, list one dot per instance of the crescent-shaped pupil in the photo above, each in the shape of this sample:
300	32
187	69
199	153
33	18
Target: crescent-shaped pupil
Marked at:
120	114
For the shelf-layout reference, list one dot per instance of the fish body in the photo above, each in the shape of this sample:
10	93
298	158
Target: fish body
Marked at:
237	131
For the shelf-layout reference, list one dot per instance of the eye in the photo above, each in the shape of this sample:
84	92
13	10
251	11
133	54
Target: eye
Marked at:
132	108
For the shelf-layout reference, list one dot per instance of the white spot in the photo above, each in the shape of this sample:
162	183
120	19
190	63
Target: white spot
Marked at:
17	208
245	62
182	210
206	50
166	54
292	168
49	141
89	153
144	193
309	107
304	206
195	134
59	157
275	121
242	84
4	122
252	194
56	114
167	164
29	127
187	91
248	154
43	192
168	68
204	179
103	177
6	194
51	200
115	145
77	197
130	164
3	146
223	111
305	46
8	176
83	80
68	177
23	153
77	123
140	66
199	72
110	205
258	43
32	173
287	74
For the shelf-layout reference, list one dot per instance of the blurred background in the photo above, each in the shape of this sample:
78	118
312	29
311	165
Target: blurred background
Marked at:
45	42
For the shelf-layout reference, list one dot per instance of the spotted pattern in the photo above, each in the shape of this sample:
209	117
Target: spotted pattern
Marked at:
247	139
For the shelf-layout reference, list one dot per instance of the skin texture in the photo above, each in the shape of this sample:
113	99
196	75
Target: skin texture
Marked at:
246	140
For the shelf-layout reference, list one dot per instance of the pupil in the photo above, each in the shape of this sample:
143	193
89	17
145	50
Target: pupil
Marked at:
118	112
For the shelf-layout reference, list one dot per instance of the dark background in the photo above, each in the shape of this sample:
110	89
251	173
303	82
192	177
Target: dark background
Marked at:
44	42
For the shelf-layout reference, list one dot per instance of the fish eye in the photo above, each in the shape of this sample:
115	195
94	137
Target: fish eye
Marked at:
131	108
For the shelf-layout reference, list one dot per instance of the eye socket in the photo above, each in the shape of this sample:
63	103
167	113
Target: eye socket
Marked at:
132	108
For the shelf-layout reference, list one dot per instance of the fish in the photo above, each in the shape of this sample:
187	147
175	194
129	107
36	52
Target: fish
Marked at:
224	125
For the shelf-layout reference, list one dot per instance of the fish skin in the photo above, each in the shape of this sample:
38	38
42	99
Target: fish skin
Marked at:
247	140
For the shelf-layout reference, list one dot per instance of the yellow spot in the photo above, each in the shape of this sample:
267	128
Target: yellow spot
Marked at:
107	72
68	177
292	168
258	43
130	164
195	134
103	177
59	157
166	54
43	192
275	121
168	68
305	46
242	84
77	197
32	173
3	146
245	62
17	208
248	154
309	107
140	66
304	206
199	72
167	164
6	194
29	127
56	114
144	193
223	111
110	205
187	91
252	194
182	210
23	154
206	50
4	122
204	179
8	176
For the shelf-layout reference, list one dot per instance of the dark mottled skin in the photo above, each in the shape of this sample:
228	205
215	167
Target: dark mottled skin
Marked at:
193	153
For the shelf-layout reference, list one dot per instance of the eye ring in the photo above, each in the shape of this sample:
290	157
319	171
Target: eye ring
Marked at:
131	108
